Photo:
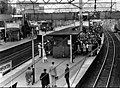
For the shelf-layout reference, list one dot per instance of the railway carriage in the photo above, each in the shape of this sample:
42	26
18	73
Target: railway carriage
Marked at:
45	25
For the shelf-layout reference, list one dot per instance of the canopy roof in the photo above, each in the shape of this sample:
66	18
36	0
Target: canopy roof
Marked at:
5	17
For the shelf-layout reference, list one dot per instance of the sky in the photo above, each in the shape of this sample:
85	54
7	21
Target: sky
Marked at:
66	0
58	6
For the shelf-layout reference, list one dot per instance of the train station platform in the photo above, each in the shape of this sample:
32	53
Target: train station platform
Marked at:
18	74
77	70
7	45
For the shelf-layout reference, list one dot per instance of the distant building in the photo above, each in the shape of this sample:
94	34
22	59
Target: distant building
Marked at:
4	16
3	6
4	1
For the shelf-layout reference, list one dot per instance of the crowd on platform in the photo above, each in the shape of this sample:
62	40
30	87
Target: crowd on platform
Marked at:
88	40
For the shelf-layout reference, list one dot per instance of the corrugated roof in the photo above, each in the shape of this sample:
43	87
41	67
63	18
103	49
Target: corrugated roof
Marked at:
67	31
4	17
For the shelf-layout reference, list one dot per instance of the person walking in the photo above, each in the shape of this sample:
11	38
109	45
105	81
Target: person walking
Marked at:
84	48
73	57
87	48
81	47
67	75
44	56
53	73
40	50
28	76
44	77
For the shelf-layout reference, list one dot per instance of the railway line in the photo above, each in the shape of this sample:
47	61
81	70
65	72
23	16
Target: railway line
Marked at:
19	55
104	75
104	70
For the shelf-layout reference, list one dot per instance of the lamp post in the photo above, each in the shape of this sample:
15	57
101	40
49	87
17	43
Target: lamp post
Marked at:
80	14
95	6
42	46
33	58
111	6
111	9
71	53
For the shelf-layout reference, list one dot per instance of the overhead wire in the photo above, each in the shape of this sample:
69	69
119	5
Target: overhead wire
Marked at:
33	1
21	1
58	1
46	1
10	0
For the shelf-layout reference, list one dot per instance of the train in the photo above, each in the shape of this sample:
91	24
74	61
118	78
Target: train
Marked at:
45	25
112	25
116	26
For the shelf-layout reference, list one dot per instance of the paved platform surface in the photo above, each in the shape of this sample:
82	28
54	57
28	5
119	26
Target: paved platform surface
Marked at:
18	74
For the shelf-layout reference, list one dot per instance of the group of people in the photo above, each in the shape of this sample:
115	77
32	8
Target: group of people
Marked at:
88	40
45	78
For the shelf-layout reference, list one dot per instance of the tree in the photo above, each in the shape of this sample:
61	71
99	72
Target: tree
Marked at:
4	7
14	11
10	9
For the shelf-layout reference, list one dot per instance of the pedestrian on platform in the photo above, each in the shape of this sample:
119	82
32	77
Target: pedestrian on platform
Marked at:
40	49
29	76
67	75
53	74
44	56
44	77
81	47
87	48
84	48
73	57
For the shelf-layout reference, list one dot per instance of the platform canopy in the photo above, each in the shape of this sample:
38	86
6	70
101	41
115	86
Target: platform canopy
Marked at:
67	31
5	17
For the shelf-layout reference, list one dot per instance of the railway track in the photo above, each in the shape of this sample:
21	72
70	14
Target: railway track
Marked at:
102	72
20	56
104	75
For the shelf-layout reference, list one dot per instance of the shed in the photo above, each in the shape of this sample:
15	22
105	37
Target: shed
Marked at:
61	47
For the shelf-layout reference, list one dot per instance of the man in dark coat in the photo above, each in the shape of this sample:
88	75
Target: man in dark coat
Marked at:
28	76
67	75
44	79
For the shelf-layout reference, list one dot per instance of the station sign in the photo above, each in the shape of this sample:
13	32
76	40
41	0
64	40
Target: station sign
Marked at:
5	67
69	42
12	25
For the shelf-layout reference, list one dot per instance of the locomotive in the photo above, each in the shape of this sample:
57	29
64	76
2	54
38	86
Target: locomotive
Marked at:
45	25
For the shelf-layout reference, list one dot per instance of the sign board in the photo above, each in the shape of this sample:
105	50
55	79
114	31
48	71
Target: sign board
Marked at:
69	42
28	5
17	15
5	67
12	25
110	15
